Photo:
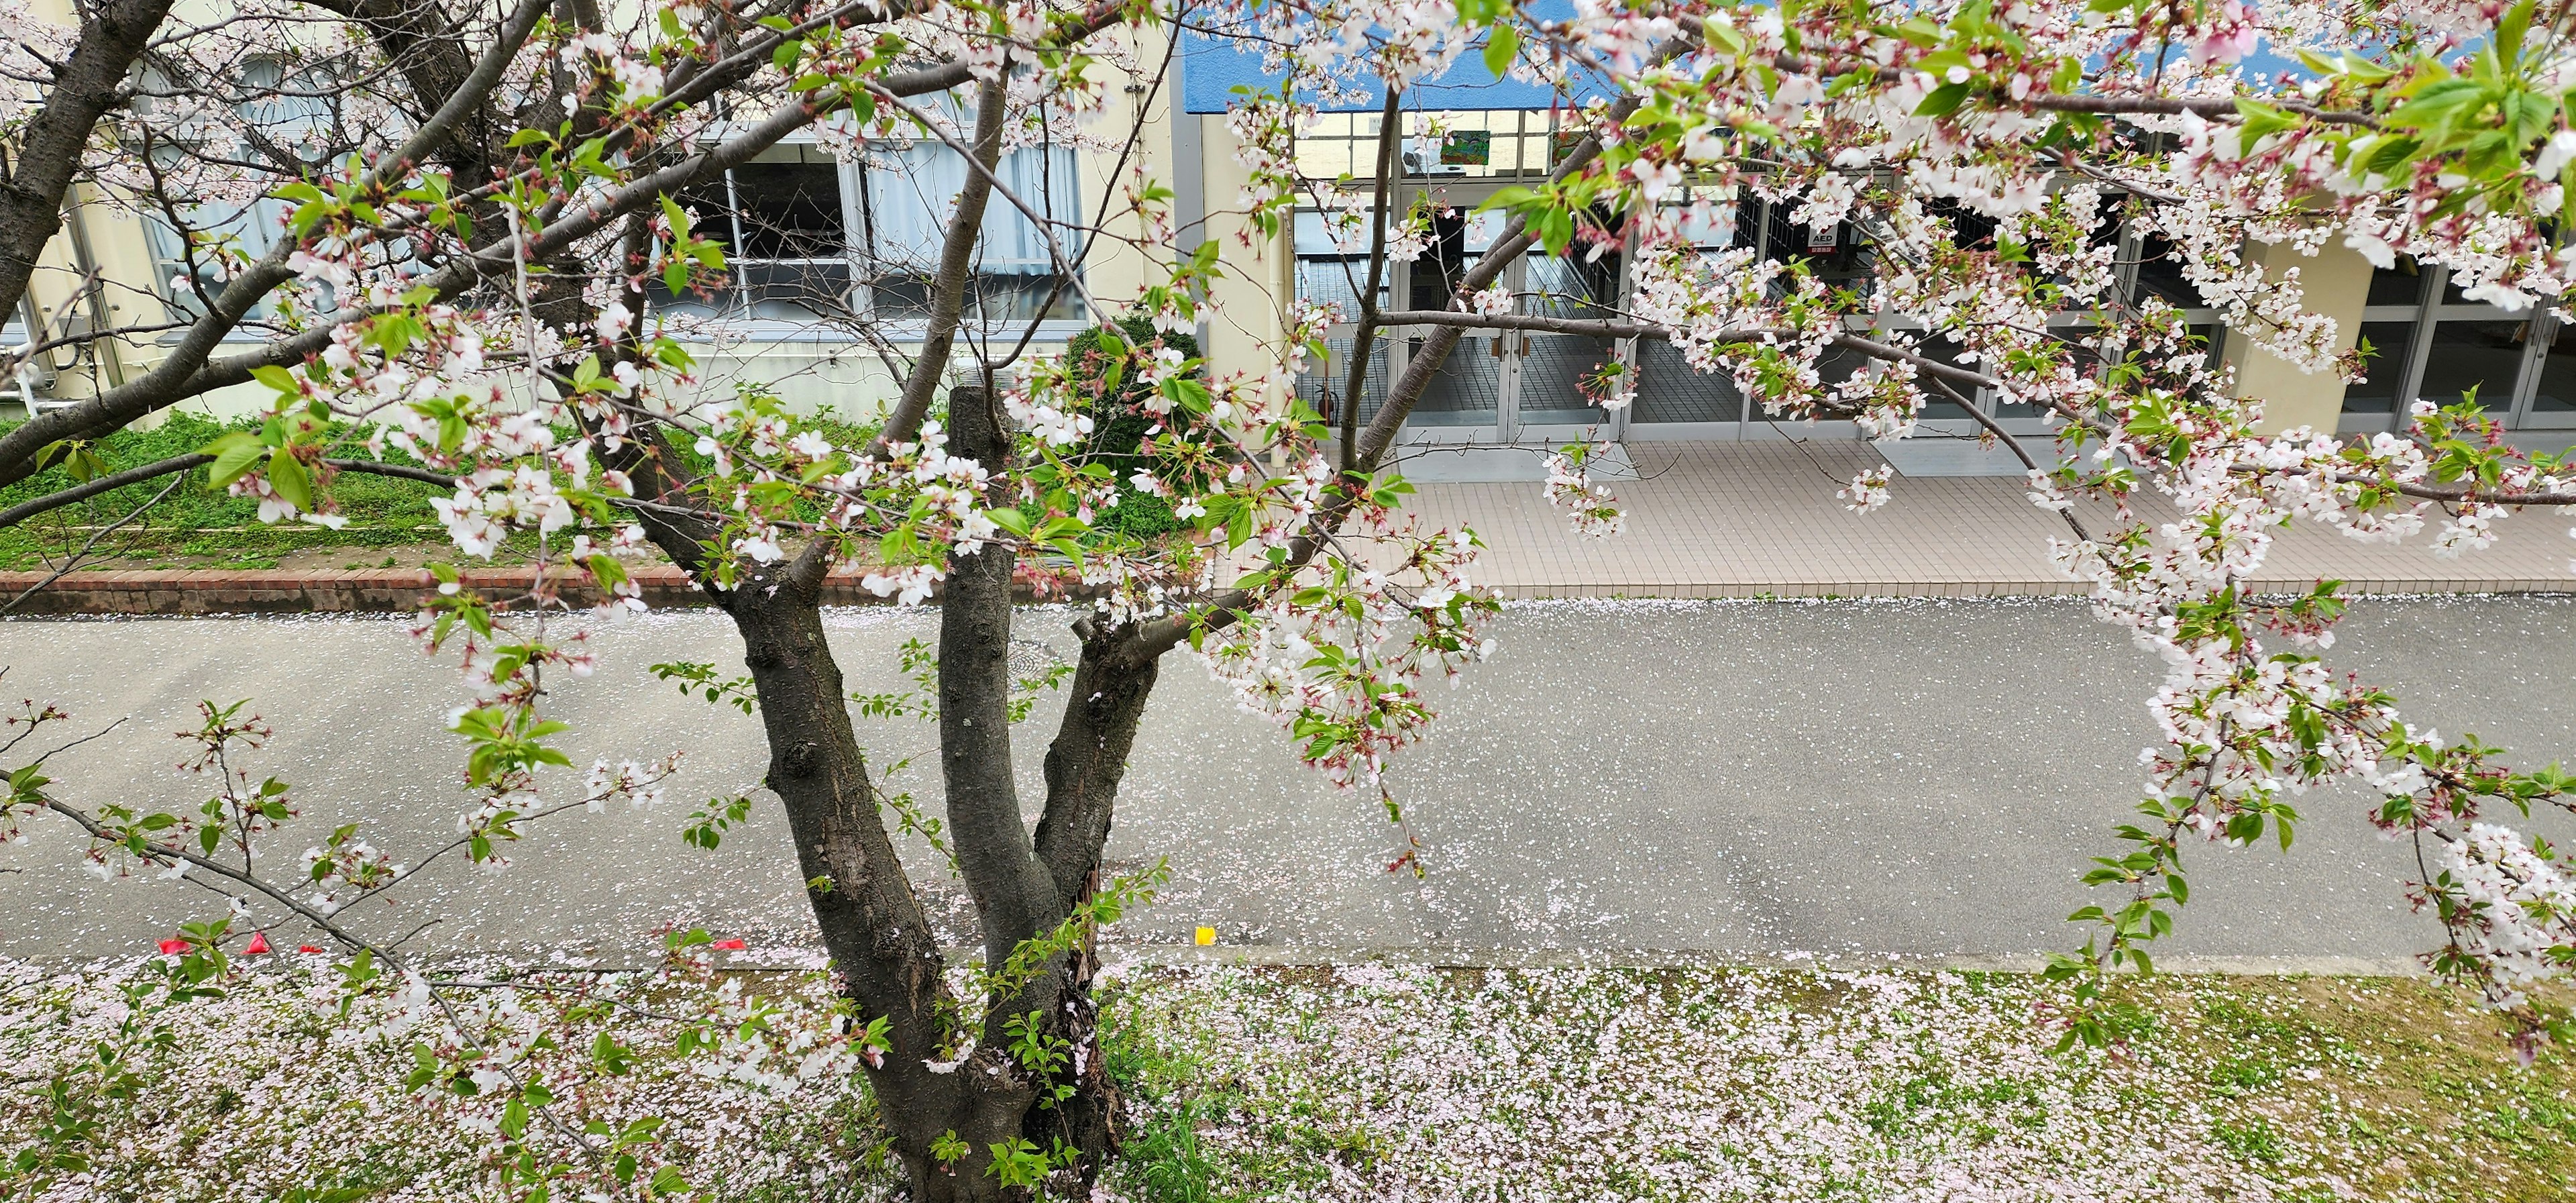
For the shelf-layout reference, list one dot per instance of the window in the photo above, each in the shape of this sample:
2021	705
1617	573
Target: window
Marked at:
805	235
2401	283
1475	144
908	198
2431	343
2553	398
2384	373
1536	379
2160	274
250	230
1837	255
1328	273
785	236
2483	358
296	122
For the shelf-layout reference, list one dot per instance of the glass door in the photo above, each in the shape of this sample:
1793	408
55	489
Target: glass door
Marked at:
1464	398
1559	379
1676	400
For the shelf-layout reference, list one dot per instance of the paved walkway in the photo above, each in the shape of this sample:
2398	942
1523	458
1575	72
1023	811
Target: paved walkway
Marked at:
1731	780
1749	519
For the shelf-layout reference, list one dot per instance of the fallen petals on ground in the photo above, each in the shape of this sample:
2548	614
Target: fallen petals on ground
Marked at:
1372	1082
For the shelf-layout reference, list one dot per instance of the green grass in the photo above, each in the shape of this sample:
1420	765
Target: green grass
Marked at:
196	526
1744	1084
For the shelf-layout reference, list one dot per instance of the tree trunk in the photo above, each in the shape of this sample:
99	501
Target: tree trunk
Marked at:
882	948
885	956
37	170
1083	768
885	959
1088	1120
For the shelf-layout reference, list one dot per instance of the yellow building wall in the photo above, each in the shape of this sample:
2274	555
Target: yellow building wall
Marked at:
1248	305
2334	282
63	298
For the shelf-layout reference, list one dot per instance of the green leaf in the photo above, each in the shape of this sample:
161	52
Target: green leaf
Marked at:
277	378
1943	101
286	475
2259	122
2510	31
234	454
1501	48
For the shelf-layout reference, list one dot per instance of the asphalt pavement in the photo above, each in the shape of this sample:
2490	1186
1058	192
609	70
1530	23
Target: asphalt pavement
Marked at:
1751	781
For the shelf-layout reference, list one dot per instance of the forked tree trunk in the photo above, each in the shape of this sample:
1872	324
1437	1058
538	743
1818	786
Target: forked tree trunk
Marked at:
885	959
885	955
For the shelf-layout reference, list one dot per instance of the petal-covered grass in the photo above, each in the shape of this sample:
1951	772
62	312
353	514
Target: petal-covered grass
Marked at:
1774	1084
267	1091
1379	1082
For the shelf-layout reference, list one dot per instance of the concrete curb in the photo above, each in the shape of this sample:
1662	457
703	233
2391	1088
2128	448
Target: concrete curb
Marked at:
351	591
1318	956
1163	955
1183	956
400	590
1735	590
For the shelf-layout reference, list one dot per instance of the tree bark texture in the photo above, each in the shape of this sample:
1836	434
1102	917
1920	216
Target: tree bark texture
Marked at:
34	186
884	953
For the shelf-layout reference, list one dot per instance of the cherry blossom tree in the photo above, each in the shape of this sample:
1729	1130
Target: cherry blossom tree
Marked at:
487	213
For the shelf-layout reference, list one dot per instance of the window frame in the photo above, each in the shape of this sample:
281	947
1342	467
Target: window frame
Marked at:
866	268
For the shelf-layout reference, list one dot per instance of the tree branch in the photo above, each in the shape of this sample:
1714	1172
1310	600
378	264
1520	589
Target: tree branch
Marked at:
1014	896
1106	702
1390	123
948	288
89	83
105	484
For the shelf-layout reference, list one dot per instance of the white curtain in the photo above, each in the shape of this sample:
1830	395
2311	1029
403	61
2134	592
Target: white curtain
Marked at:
913	191
255	227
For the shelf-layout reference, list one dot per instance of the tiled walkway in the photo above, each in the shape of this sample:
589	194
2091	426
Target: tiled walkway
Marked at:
1747	519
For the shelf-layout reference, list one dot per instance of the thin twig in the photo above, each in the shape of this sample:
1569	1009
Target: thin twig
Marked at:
2015	445
75	560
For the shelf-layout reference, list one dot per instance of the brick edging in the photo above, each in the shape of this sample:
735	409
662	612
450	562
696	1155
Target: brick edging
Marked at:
396	590
334	591
1819	590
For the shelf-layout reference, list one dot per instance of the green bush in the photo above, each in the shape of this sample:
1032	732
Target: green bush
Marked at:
1120	422
1139	515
